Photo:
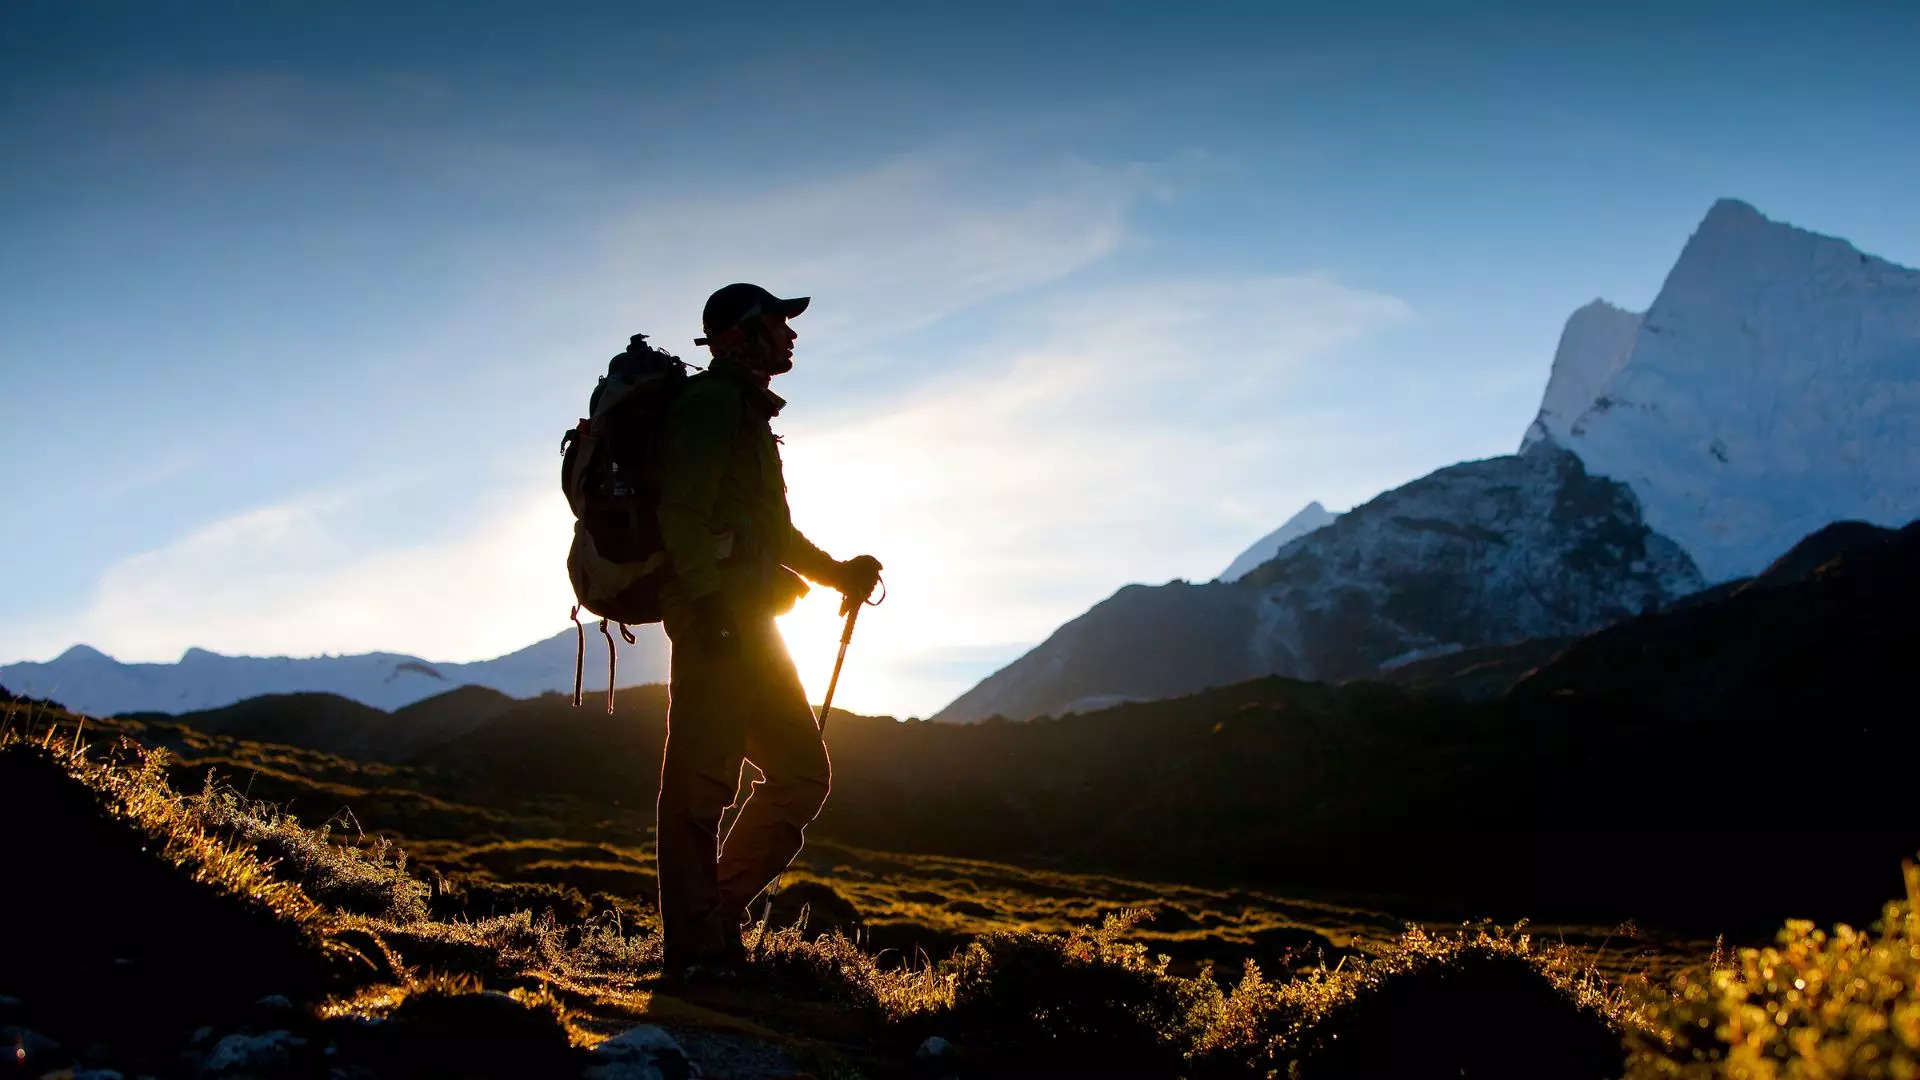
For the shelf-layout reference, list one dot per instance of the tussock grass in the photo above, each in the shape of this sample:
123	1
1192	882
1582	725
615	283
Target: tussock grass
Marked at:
364	876
136	795
1483	1001
526	950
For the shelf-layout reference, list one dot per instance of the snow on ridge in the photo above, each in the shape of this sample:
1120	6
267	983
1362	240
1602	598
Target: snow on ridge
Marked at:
1594	346
1772	387
1311	517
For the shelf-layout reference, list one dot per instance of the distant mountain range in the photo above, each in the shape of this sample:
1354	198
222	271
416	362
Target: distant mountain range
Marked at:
1514	547
1773	387
88	680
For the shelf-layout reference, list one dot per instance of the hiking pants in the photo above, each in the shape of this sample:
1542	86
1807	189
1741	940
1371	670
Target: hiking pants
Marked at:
748	705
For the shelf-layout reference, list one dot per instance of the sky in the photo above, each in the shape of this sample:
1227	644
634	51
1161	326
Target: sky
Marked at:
297	298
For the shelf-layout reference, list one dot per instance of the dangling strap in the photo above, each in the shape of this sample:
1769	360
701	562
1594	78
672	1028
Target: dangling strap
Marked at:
628	634
610	664
579	652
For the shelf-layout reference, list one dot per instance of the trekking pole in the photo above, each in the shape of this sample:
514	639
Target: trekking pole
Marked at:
846	638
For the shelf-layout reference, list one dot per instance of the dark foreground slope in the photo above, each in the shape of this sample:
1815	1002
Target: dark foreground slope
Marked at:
161	979
199	958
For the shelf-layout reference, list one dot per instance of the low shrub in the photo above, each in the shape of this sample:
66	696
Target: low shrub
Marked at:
1086	1000
1815	1004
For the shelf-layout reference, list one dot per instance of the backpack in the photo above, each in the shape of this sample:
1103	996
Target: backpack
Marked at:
609	473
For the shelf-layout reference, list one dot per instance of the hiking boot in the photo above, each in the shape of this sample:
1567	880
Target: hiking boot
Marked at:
697	976
722	963
713	972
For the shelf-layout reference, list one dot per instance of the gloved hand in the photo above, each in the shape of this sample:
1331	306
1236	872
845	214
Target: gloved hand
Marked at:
855	578
711	628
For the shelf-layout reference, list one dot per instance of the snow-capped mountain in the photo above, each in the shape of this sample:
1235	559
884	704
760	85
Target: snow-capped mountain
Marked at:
1772	387
87	679
1311	517
1513	547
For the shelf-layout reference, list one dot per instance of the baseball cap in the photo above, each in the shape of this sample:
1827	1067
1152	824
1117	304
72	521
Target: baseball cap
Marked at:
731	304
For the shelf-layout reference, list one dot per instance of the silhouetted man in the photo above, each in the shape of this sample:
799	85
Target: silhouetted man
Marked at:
735	694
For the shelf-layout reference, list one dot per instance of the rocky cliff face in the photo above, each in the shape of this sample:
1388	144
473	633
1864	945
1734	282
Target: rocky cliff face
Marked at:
1529	545
1510	547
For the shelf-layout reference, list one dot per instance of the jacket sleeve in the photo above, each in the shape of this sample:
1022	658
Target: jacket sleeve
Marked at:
700	429
810	561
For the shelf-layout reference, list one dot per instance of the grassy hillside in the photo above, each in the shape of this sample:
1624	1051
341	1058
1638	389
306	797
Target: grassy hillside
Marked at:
246	937
1363	796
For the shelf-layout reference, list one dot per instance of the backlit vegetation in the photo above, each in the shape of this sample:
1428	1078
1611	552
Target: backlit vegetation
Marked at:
1034	978
1814	1004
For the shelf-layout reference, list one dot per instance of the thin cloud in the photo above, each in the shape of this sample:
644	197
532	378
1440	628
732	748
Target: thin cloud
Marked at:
295	578
890	249
1060	463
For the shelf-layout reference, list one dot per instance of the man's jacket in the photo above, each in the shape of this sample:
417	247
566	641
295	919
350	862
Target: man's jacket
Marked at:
723	501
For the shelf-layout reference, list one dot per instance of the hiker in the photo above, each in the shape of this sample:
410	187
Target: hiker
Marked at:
734	692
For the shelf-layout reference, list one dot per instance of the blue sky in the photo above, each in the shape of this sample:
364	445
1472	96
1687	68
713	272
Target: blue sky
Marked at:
298	298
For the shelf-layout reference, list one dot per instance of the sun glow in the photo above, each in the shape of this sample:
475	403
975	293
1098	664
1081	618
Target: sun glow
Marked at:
851	500
885	634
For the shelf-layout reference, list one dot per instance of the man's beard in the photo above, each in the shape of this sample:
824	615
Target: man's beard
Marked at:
777	365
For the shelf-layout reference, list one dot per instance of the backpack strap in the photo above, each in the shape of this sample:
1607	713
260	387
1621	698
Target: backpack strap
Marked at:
577	449
579	652
610	664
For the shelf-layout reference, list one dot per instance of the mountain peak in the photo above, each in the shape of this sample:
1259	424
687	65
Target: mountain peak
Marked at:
1766	391
1594	346
1310	517
81	653
1598	308
1737	250
1730	213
